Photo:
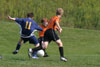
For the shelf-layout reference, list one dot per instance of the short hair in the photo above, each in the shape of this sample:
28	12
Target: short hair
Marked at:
59	11
30	15
44	20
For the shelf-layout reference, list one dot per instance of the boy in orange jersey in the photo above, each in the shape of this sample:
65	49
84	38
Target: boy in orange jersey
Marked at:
50	34
44	25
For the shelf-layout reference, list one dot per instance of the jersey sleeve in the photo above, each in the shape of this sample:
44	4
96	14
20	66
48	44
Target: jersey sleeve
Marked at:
38	28
18	20
57	20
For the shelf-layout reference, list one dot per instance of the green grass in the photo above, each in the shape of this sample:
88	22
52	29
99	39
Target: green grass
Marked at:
81	47
77	13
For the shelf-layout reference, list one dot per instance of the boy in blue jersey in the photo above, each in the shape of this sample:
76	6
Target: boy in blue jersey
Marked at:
27	28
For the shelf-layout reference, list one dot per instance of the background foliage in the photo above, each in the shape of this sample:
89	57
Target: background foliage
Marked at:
77	13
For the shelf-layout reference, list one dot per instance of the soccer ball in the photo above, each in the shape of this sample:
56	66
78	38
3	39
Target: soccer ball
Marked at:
40	53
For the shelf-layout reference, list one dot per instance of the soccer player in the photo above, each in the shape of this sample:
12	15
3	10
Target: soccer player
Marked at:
28	26
44	25
50	33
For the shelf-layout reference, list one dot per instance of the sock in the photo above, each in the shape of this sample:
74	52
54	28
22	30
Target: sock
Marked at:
61	51
36	49
34	54
18	46
44	51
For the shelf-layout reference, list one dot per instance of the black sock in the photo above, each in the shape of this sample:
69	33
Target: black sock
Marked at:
36	49
18	46
61	51
44	51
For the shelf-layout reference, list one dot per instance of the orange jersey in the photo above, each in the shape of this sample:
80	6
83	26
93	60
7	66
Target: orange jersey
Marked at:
52	21
41	34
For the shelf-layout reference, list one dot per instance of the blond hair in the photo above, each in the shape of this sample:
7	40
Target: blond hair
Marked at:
59	11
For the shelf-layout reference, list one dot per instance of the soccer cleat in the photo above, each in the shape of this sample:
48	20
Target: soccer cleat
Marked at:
15	52
30	52
35	57
63	59
46	55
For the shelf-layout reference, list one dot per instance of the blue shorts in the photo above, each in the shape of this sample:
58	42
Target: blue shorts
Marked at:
32	40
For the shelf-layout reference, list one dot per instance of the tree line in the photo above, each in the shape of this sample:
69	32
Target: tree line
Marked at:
77	13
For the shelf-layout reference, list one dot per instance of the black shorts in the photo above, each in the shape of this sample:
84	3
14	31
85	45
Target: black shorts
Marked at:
40	40
50	35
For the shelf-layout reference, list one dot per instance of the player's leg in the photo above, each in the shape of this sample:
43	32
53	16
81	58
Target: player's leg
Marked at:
33	51
41	39
45	45
47	39
61	50
60	44
18	46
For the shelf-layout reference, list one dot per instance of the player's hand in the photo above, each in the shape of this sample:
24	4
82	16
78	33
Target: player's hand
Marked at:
60	30
9	17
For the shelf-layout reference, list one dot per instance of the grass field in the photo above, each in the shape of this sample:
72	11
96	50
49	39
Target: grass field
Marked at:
81	47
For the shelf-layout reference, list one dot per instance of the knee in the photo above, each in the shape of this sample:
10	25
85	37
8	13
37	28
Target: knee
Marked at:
20	42
37	45
45	45
60	44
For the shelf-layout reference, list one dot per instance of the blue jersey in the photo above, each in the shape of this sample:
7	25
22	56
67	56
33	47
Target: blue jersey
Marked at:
28	26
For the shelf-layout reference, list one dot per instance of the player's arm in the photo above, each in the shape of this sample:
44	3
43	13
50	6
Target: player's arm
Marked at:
37	27
18	20
10	18
58	27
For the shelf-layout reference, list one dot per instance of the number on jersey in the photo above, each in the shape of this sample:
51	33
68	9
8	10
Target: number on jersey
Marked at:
28	25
